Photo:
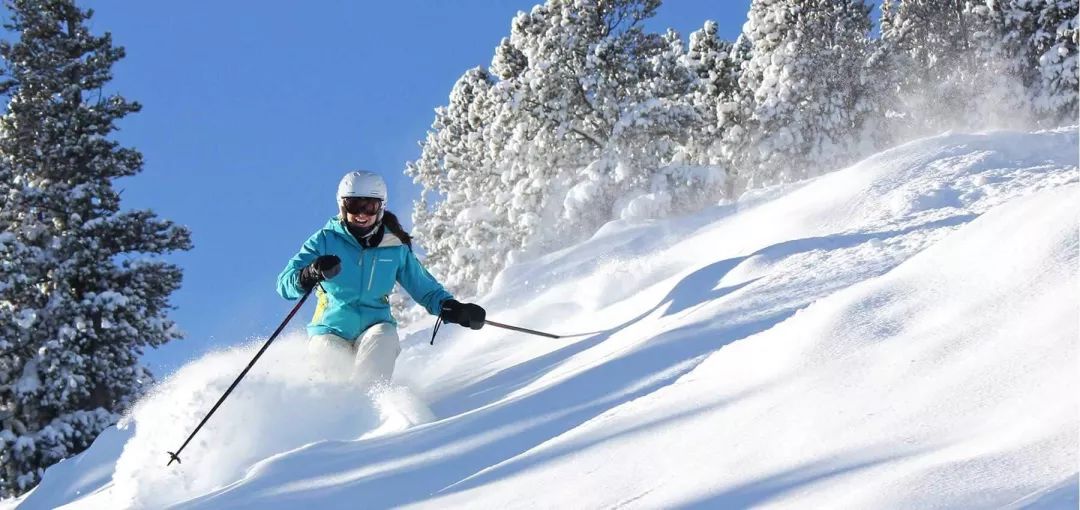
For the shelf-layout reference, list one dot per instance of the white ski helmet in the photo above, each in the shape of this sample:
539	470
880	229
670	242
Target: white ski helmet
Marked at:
362	184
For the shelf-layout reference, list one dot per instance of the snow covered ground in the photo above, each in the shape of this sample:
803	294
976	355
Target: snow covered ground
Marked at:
898	334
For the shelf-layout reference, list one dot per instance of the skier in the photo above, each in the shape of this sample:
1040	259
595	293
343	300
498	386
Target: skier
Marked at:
352	264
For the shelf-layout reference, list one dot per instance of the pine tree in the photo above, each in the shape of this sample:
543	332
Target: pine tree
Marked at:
711	62
455	167
1043	36
505	163
949	65
923	46
805	87
78	301
997	70
734	113
716	66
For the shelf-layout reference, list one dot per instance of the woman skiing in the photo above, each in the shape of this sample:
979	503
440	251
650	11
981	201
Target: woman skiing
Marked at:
352	264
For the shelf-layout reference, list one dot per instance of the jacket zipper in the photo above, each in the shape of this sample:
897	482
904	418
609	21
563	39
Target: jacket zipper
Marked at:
371	277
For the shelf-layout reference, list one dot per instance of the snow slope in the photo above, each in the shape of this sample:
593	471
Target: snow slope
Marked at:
901	333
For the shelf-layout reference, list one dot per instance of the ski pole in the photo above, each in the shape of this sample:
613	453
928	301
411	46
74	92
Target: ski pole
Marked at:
176	455
439	321
523	330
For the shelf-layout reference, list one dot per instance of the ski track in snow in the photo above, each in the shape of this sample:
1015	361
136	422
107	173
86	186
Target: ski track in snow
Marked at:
897	334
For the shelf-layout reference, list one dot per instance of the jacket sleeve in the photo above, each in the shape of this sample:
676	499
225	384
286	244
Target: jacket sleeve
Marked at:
421	285
288	282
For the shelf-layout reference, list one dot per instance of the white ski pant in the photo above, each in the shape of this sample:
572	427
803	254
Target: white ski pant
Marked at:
373	354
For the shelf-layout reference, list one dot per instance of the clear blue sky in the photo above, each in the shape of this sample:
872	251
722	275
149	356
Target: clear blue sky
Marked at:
252	111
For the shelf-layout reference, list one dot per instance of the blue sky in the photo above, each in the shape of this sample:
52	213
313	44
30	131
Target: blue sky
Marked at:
252	111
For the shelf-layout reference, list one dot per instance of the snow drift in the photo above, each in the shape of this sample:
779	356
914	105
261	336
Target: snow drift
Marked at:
900	333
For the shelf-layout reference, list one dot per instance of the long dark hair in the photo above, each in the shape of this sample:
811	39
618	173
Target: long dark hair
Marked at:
394	226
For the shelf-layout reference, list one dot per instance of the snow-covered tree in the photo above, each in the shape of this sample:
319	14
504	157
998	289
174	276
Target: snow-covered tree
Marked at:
733	115
923	48
78	301
1042	36
581	109
596	87
716	73
458	232
804	86
716	65
583	116
949	64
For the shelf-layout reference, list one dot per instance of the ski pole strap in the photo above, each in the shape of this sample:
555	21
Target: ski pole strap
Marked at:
435	331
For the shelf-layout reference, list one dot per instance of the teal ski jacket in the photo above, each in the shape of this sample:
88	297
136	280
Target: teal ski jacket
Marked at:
359	296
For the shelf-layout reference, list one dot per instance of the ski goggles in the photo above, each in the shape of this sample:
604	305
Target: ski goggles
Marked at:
362	205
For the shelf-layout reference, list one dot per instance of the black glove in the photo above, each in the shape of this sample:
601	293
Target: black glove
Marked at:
324	268
467	314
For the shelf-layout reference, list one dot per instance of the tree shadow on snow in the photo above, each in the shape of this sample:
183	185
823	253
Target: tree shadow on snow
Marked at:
765	489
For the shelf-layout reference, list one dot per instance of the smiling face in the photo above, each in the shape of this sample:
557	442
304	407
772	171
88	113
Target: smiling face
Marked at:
361	212
359	220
